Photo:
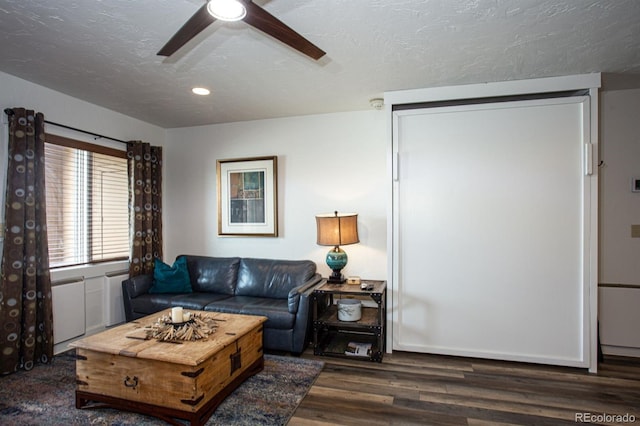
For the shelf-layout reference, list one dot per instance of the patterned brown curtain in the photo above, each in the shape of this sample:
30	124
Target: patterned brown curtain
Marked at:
145	206
26	311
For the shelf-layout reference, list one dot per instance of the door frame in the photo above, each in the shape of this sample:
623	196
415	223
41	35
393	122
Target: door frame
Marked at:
473	93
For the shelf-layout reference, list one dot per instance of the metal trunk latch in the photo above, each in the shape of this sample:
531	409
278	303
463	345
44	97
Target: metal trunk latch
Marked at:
236	359
131	383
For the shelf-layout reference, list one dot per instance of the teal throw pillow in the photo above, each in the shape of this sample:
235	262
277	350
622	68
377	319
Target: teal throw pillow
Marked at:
171	279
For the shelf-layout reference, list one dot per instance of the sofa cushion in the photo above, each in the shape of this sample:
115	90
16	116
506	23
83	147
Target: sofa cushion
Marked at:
152	303
272	278
171	279
276	310
213	274
197	301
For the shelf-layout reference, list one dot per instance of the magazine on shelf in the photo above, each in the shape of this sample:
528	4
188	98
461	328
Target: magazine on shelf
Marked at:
358	349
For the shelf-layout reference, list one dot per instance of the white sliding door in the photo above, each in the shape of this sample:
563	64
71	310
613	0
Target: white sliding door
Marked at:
491	230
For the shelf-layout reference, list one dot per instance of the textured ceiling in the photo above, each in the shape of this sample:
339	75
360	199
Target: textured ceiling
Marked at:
104	52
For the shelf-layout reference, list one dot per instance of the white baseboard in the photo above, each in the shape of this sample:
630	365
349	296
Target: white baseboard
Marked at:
621	351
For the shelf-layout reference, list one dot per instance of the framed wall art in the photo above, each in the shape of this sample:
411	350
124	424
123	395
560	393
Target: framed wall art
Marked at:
248	196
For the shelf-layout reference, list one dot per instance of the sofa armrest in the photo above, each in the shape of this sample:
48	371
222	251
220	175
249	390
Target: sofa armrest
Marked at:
135	286
302	327
302	290
132	288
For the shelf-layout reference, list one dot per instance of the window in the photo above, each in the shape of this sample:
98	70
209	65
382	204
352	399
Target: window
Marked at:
87	202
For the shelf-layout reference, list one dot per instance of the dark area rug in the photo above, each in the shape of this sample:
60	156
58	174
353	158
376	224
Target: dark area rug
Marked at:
46	396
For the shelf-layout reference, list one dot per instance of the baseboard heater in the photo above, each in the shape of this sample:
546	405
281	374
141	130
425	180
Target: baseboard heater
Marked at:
68	309
619	318
113	301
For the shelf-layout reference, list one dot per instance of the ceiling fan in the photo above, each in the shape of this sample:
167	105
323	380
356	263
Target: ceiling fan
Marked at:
235	10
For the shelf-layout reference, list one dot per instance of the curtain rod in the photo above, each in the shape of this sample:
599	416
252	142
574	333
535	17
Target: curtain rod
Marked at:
10	112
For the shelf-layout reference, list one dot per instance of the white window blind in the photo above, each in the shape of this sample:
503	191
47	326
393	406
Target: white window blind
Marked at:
87	202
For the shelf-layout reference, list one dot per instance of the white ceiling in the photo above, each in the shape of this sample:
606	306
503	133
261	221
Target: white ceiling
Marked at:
104	52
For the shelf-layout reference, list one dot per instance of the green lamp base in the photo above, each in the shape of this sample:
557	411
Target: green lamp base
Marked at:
336	260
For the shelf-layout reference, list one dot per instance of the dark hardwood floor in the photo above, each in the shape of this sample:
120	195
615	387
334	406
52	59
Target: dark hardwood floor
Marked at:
421	389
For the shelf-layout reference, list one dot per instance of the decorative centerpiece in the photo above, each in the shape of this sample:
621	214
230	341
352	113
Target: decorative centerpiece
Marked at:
192	326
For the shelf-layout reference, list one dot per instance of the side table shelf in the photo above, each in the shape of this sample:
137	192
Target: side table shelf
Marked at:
333	337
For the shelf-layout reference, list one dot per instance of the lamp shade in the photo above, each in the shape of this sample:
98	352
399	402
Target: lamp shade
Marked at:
337	229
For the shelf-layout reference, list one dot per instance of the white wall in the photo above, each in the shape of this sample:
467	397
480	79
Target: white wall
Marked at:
64	109
619	209
325	163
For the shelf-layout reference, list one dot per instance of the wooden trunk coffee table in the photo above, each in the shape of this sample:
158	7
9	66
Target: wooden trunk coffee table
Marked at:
119	368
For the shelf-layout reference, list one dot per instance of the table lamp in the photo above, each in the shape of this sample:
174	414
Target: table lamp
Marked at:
337	230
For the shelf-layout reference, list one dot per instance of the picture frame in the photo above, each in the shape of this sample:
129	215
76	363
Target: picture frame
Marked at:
635	184
248	196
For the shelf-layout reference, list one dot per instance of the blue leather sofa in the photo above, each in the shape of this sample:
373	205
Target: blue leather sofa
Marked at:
277	289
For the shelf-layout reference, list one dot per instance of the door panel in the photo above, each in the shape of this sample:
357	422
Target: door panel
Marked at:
489	210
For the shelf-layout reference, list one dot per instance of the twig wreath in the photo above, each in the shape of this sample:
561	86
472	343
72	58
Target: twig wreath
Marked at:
199	327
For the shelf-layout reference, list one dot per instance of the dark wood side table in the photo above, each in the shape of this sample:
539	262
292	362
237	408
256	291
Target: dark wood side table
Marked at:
332	337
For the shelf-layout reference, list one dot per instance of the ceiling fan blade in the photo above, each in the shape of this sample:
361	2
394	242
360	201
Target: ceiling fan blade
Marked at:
198	22
264	21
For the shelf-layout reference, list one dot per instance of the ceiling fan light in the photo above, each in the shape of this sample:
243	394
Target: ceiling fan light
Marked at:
226	10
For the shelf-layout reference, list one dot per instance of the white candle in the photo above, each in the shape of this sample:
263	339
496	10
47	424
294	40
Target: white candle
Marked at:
186	316
176	314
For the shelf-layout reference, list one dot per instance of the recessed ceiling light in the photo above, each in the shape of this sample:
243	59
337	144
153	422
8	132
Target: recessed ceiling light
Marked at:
200	91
